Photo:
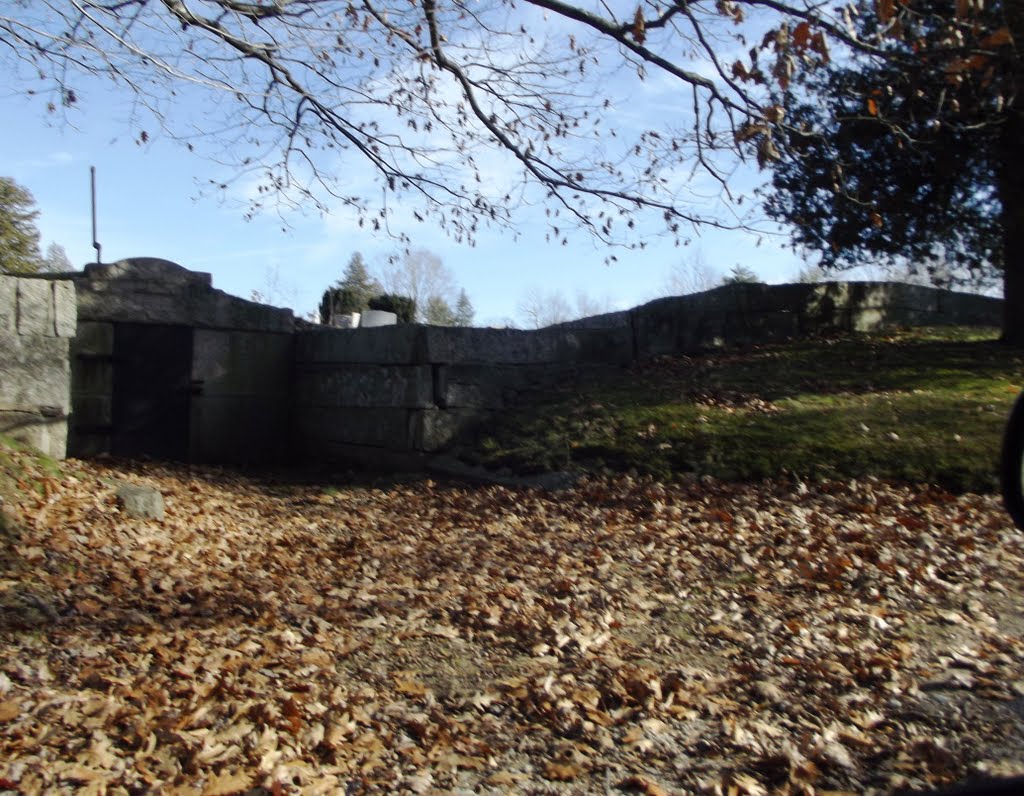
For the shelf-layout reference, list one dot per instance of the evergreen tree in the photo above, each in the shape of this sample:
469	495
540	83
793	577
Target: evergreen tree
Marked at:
438	312
351	293
741	275
19	238
356	278
403	306
913	157
464	311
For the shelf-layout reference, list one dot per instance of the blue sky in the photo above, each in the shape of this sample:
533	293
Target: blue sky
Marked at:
150	204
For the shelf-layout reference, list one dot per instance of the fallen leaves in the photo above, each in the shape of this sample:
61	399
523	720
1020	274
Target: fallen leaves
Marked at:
655	638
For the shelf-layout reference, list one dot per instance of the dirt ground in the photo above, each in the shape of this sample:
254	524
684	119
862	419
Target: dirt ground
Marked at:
617	636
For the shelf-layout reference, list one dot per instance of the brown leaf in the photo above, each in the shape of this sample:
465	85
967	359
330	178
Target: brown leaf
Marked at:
639	29
1000	38
641	784
562	772
500	778
227	783
802	35
10	709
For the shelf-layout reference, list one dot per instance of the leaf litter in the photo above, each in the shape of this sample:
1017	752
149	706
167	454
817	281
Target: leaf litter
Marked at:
622	636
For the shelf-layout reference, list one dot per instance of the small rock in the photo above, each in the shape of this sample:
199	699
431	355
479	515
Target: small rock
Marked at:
142	502
769	691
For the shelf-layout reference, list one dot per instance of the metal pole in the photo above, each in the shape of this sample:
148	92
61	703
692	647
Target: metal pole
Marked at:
95	243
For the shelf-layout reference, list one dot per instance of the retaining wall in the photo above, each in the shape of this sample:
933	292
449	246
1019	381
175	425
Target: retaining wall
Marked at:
746	313
410	389
37	322
380	394
164	365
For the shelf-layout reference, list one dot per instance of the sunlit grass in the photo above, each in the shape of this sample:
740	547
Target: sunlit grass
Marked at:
924	405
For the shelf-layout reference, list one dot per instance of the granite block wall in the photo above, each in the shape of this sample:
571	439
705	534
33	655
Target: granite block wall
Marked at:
37	322
369	395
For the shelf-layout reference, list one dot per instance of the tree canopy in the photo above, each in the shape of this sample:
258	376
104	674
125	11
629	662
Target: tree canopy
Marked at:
19	238
898	158
466	111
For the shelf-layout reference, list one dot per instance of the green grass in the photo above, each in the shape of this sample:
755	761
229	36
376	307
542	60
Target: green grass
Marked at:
23	466
922	405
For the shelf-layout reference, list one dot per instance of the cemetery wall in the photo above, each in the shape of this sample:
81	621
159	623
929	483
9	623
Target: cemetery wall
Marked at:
165	365
37	322
373	394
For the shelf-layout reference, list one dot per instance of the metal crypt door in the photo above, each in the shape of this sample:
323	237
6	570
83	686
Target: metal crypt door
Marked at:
151	390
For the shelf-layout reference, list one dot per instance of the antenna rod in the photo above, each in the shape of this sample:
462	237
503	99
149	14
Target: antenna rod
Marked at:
95	243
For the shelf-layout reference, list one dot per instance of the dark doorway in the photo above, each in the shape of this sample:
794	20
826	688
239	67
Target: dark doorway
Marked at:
151	401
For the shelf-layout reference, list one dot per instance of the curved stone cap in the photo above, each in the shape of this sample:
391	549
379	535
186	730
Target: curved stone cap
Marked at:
151	290
147	269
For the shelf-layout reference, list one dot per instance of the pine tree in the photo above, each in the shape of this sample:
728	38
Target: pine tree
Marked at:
741	275
19	238
438	312
464	310
357	279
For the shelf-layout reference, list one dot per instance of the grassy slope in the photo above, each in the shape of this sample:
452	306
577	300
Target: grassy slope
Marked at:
913	405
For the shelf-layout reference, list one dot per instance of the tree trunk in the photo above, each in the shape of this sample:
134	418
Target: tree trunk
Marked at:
1011	188
1012	199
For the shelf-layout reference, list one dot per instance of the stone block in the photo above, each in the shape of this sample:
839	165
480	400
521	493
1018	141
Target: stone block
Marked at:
215	308
770	325
244	429
103	302
360	385
382	345
149	290
65	306
965	308
454	345
434	429
35	307
867	319
141	502
678	326
494	386
35	373
377	427
147	270
891	295
242	363
607	320
776	298
45	431
8	305
477	387
94	339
